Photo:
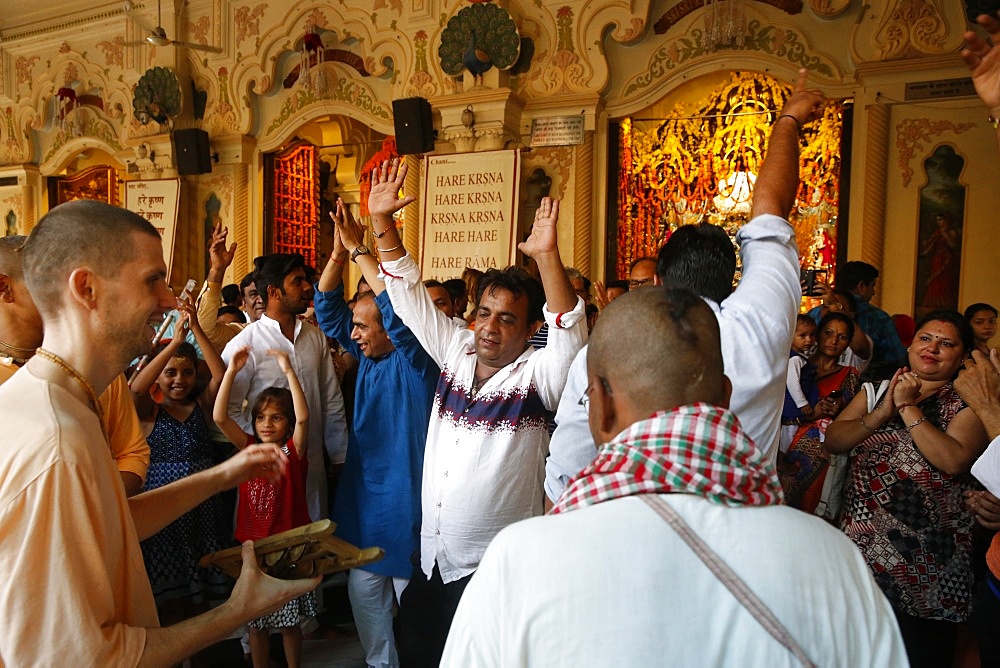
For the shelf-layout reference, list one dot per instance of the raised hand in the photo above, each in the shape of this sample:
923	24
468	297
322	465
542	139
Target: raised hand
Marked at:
907	387
983	61
218	255
804	105
543	231
282	358
979	386
239	359
979	382
185	316
387	181
601	295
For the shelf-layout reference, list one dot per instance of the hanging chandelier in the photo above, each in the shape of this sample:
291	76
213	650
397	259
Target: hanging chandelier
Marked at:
724	23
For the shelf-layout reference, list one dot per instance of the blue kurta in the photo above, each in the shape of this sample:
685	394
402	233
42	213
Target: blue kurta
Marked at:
378	497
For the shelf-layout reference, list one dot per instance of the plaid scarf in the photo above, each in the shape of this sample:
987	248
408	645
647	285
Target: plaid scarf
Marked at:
697	449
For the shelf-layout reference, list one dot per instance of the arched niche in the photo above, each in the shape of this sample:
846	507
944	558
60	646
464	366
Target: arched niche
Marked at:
693	156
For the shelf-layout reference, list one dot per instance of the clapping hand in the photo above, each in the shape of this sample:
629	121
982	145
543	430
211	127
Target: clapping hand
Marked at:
348	231
906	389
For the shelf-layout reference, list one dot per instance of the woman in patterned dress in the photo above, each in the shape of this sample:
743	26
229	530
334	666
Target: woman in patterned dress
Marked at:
175	424
910	459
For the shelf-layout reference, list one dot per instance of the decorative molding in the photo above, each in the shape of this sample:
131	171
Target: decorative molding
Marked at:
911	135
685	7
66	25
779	42
912	28
356	94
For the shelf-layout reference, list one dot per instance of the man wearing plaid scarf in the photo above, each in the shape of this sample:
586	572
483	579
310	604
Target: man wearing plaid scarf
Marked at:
605	580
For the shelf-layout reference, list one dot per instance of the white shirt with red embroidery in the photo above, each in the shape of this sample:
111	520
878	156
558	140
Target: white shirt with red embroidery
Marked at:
485	456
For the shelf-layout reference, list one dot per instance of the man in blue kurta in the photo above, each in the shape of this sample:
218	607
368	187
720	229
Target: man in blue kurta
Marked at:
378	497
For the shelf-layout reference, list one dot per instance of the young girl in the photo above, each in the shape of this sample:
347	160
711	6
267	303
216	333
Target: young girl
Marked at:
279	416
176	426
983	319
800	384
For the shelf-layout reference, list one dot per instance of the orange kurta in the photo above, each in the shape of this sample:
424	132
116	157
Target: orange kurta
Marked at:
74	589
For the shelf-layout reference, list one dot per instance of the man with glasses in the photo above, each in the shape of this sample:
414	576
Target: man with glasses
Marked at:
641	272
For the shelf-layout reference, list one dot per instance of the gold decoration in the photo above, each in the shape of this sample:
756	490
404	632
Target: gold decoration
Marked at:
699	166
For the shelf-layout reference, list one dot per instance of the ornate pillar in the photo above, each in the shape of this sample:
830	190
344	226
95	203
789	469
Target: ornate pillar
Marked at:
584	201
875	188
411	214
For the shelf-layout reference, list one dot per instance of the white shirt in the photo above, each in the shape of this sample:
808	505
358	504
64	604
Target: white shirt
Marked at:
483	464
613	585
756	323
310	357
793	381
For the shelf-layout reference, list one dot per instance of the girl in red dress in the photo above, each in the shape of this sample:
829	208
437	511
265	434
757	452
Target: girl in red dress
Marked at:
279	416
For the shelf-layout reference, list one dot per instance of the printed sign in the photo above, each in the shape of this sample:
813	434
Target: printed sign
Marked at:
469	212
557	131
157	202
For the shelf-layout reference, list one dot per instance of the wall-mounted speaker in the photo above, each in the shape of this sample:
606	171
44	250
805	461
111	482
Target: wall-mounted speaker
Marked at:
192	152
411	117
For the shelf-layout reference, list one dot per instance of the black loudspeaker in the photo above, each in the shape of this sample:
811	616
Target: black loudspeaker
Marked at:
192	152
411	117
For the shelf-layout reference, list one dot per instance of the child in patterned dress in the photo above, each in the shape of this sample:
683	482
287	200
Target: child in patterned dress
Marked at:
279	416
175	412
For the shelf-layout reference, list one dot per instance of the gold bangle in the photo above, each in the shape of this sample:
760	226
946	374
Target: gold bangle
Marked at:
994	121
862	421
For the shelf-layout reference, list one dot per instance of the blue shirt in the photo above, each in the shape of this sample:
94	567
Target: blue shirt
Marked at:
378	497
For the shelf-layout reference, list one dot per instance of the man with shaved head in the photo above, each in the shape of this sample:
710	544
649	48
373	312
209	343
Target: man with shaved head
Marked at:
675	472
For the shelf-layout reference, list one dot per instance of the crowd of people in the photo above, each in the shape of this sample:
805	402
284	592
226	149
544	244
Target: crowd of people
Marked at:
723	480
